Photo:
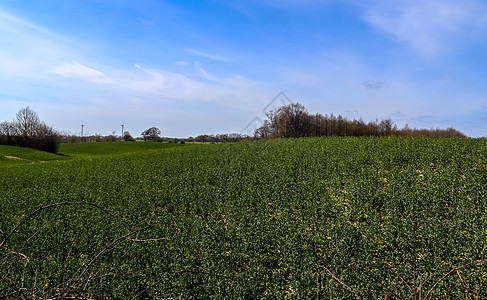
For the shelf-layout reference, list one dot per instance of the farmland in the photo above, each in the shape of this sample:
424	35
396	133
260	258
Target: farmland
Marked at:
317	218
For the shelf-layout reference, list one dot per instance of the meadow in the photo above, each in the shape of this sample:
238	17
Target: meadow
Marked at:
308	218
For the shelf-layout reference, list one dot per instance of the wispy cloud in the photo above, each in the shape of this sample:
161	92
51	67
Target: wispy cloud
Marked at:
205	74
12	23
77	70
429	27
168	85
150	72
182	63
372	84
293	3
208	55
28	50
160	85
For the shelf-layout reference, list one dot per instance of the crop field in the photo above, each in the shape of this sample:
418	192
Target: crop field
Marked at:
316	218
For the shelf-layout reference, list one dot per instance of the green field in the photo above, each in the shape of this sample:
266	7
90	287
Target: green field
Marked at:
318	218
10	155
94	149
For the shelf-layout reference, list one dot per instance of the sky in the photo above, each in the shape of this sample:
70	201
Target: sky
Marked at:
217	66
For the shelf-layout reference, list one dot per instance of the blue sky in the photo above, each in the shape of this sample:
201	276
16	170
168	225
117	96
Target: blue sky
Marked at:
207	67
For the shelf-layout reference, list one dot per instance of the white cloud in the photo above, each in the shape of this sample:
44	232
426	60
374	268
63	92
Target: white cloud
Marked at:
372	84
208	55
205	74
294	3
182	63
158	83
14	24
77	70
28	50
150	72
429	27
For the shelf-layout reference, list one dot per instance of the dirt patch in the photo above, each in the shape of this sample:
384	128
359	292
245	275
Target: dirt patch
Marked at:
13	157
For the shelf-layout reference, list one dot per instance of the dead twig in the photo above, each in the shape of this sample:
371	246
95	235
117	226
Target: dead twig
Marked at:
154	284
35	233
70	297
20	254
33	214
4	242
342	283
147	240
88	265
447	274
409	287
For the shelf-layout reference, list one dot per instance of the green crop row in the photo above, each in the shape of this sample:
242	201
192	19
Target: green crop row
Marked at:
293	218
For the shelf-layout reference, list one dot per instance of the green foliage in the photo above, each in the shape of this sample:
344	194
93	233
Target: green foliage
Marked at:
127	137
152	134
294	218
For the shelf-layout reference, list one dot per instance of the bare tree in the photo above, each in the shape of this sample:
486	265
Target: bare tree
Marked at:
291	120
386	127
27	130
7	129
28	122
264	131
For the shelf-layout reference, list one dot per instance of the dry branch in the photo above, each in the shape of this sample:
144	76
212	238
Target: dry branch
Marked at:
70	283
4	242
447	274
342	283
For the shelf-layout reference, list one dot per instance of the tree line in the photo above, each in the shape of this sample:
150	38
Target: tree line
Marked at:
294	120
289	121
27	130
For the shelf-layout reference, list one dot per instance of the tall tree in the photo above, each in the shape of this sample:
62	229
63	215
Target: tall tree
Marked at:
291	120
151	134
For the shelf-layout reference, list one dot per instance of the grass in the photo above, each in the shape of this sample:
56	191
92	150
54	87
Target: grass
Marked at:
10	155
340	218
112	148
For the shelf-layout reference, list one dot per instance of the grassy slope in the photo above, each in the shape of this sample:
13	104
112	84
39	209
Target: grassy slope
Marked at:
11	155
24	155
260	219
